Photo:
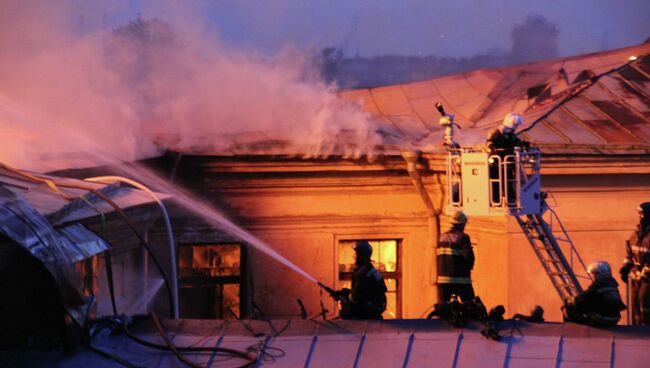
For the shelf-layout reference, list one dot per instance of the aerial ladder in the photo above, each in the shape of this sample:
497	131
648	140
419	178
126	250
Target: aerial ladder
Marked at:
482	183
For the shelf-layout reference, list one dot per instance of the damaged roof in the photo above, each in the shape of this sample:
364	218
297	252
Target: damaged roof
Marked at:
50	201
34	209
596	103
338	343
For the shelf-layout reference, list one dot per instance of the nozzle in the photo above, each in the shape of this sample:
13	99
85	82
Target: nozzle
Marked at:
441	109
326	288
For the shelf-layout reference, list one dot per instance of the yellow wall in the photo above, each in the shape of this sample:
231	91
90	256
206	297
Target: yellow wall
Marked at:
304	214
599	212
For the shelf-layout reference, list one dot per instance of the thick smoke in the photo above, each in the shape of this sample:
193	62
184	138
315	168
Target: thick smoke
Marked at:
66	97
534	39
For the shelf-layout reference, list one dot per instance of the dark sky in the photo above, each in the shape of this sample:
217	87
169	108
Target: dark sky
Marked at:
413	27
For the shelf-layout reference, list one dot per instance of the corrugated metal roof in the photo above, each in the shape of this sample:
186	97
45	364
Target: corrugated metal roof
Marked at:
396	343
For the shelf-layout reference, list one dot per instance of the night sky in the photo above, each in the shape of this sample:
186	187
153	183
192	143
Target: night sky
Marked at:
408	27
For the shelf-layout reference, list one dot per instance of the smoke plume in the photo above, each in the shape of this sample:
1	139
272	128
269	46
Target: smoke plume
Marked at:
70	94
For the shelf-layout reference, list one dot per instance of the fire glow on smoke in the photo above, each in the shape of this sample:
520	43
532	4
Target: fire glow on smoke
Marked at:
69	97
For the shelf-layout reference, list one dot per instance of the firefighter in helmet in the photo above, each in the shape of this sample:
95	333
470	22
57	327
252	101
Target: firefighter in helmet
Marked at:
367	298
600	304
503	139
455	260
636	267
502	142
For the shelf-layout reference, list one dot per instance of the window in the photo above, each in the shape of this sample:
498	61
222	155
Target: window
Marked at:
385	257
210	280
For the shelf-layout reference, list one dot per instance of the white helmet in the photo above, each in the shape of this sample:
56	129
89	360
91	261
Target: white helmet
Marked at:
600	270
446	120
512	120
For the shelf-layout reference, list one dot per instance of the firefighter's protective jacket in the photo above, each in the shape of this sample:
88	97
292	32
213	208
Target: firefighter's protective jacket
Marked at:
455	258
507	142
638	254
601	302
368	294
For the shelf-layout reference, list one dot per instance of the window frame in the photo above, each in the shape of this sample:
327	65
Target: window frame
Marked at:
397	275
218	281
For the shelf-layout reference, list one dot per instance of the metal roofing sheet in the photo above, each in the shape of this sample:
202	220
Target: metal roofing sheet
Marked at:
631	353
294	350
417	90
622	89
644	65
572	128
612	109
544	132
391	101
397	343
476	351
625	119
333	351
439	347
528	349
388	348
610	102
48	201
426	110
598	351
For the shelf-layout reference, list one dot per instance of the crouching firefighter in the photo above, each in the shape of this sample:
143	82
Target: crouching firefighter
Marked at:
600	304
367	298
455	260
636	267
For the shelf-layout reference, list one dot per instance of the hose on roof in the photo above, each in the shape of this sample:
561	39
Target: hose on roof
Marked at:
168	226
54	185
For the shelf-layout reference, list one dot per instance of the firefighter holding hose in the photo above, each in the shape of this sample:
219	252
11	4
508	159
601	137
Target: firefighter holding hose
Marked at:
367	298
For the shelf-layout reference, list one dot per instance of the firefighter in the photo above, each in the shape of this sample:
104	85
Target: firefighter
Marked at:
636	267
503	139
502	142
367	298
600	304
455	260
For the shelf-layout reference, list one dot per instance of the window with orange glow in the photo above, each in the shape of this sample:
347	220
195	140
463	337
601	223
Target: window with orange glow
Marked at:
210	283
385	257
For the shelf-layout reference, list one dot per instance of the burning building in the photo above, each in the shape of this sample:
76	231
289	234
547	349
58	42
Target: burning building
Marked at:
588	114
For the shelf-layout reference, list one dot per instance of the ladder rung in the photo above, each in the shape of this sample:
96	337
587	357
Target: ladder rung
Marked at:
558	273
567	286
544	248
551	261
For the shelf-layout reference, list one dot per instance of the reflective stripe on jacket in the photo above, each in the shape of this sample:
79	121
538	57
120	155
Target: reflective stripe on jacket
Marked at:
455	258
453	280
638	249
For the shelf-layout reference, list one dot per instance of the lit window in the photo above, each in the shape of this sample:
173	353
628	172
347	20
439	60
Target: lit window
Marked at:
210	280
385	258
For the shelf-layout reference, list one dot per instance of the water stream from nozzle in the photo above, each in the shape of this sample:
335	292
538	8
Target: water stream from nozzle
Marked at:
210	214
